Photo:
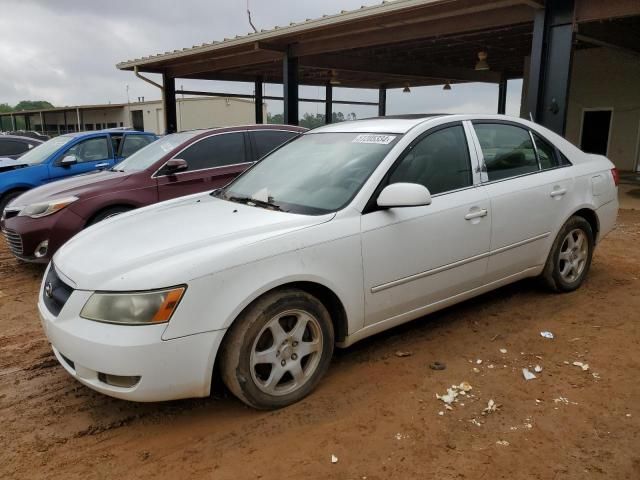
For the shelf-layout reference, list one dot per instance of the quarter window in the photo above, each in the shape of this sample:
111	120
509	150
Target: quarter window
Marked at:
215	151
440	162
133	143
546	153
507	150
91	150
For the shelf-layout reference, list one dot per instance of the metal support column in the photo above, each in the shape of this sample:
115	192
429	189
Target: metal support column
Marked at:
169	103
290	87
78	120
328	104
42	125
13	122
382	101
259	101
502	95
550	70
64	116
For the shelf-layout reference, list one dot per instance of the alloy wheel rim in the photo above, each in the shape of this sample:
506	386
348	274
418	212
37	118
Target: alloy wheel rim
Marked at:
572	259
286	353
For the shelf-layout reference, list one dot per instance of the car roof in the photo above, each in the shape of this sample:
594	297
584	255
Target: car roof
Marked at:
240	128
22	138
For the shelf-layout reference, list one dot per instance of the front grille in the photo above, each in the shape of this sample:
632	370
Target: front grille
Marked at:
55	292
15	242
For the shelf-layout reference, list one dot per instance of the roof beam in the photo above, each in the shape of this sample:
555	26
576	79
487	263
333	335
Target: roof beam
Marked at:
386	69
591	10
537	4
252	57
610	35
382	34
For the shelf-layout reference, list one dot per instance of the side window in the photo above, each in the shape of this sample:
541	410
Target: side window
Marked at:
546	152
13	147
91	150
266	140
133	143
215	151
440	162
507	150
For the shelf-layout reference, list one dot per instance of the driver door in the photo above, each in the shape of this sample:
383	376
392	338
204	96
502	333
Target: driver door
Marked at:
92	154
415	257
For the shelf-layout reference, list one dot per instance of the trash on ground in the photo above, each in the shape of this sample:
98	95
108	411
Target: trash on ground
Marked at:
596	375
547	334
503	350
491	366
334	459
465	386
476	370
479	362
583	366
492	406
476	422
453	392
441	413
537	369
401	436
527	374
502	443
403	354
437	366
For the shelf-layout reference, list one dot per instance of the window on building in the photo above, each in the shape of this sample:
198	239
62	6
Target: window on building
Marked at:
507	150
215	151
440	161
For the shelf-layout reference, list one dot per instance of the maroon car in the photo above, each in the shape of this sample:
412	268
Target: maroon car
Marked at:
41	220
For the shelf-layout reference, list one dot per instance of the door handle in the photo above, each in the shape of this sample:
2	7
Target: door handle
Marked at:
102	165
558	192
476	214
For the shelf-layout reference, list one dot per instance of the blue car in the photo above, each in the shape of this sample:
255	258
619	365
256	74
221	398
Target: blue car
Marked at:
65	156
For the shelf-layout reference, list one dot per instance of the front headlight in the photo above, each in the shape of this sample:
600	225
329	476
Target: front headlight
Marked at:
43	209
133	308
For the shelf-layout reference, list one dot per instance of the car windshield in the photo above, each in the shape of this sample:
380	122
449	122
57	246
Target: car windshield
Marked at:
147	156
314	174
40	153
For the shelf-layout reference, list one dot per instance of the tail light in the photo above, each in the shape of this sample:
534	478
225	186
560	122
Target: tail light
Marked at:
616	176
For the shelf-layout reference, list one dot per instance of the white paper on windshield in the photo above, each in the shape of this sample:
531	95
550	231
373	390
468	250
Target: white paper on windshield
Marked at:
374	139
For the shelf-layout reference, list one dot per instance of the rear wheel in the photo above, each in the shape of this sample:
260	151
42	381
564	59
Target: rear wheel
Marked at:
278	349
7	198
570	257
108	213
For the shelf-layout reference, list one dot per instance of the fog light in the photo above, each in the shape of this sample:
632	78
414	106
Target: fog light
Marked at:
42	249
119	380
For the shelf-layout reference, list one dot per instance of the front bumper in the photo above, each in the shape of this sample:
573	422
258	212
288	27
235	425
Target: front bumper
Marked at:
93	352
25	234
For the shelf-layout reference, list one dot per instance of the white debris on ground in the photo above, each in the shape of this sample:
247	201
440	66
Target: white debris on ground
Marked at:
527	374
476	422
548	335
502	443
492	406
453	392
503	350
403	354
476	370
401	436
537	369
479	362
334	459
583	366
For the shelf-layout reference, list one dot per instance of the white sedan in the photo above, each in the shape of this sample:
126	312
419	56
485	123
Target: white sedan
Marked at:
347	231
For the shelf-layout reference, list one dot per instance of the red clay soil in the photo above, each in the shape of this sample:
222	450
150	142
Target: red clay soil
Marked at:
377	412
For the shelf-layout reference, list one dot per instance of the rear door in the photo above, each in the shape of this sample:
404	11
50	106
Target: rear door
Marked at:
92	154
529	194
265	141
213	162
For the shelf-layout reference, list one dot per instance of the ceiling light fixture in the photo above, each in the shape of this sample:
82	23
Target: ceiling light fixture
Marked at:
333	79
482	61
407	88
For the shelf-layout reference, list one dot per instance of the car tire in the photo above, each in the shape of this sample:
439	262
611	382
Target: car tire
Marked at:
278	349
570	257
7	198
108	213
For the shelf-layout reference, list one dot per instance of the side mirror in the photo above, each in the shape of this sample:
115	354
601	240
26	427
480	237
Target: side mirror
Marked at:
404	195
68	160
175	165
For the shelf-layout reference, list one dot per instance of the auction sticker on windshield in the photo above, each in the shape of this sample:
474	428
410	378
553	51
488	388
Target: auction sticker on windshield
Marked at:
376	139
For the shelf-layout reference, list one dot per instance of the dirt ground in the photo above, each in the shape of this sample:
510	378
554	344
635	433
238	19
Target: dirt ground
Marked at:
375	411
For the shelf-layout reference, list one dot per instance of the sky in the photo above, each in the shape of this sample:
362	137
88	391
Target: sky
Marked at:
65	52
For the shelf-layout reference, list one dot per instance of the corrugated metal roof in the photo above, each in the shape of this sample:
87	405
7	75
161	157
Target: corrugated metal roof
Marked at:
387	6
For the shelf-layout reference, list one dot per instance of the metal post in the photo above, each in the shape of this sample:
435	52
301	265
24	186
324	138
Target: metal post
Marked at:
42	126
328	104
290	87
550	70
78	119
502	95
13	123
64	116
169	103
382	101
259	101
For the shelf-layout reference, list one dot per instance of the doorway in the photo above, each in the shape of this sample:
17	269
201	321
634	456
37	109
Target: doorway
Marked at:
596	130
137	120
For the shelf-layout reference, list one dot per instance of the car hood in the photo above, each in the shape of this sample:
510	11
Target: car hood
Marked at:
173	242
81	186
7	164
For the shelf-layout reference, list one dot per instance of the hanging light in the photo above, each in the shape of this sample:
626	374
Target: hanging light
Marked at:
407	88
333	79
447	86
482	61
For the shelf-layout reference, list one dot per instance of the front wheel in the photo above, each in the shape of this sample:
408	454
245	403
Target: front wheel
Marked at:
278	349
570	256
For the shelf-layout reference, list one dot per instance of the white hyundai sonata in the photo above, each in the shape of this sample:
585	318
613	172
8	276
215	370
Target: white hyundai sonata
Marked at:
347	231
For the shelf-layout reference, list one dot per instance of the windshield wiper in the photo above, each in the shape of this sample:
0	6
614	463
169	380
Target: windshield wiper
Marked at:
254	202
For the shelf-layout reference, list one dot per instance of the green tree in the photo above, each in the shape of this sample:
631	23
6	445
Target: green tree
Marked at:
32	105
5	108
